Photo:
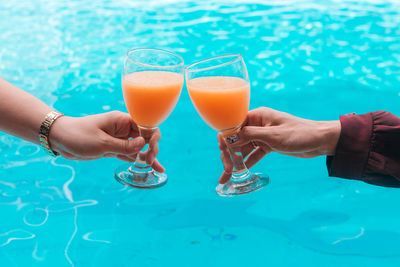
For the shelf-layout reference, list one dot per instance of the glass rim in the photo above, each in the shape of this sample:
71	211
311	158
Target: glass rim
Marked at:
154	66
238	57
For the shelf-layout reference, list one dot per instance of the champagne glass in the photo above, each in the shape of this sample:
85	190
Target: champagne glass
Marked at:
220	91
152	81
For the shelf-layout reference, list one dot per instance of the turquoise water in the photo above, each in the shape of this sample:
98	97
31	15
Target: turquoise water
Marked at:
315	59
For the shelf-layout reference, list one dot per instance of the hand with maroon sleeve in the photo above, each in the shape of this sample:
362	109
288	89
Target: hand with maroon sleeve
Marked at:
267	130
364	147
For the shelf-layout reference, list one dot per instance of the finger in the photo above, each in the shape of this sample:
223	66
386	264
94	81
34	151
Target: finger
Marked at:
226	160
221	142
225	154
228	166
249	134
124	146
153	151
132	157
247	149
255	117
67	155
118	124
225	176
157	166
134	129
252	133
153	147
151	155
155	138
70	156
246	122
125	158
236	144
255	157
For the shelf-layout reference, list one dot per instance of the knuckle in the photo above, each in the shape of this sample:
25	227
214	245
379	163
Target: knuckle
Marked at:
155	151
262	110
245	132
115	113
125	146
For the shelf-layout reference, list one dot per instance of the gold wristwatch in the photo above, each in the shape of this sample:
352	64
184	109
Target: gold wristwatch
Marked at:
45	131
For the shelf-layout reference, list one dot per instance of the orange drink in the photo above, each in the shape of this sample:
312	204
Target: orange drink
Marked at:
219	88
152	81
150	96
222	101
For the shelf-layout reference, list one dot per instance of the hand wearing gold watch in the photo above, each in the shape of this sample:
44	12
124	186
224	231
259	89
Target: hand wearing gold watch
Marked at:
111	134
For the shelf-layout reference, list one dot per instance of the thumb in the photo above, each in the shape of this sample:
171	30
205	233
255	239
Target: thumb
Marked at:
125	146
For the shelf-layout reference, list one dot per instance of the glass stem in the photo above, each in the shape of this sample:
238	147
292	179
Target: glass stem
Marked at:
240	172
140	163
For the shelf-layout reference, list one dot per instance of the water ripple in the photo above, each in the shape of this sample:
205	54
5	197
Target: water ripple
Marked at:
16	234
88	237
36	217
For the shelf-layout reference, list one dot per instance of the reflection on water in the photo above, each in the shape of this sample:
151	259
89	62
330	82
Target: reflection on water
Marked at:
316	59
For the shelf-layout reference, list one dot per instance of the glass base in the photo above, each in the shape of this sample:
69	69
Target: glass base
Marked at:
251	183
145	178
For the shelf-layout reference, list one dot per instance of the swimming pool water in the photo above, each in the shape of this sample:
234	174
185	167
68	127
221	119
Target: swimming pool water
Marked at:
315	59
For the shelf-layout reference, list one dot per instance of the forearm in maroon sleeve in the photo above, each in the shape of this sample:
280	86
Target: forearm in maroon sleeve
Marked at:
368	149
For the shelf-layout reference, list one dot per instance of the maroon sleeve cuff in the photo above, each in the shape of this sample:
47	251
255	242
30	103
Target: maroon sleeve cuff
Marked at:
353	147
368	149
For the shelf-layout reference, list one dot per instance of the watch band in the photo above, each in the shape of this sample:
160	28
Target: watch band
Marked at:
45	131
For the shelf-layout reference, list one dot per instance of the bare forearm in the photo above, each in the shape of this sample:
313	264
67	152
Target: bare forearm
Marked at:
21	114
